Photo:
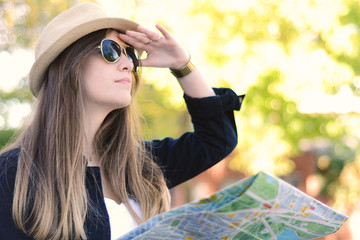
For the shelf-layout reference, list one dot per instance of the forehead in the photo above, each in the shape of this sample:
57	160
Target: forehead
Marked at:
114	35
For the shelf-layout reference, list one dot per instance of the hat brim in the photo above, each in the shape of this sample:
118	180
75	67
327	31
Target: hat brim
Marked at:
47	57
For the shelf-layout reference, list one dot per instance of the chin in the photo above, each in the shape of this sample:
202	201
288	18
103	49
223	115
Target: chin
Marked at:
124	102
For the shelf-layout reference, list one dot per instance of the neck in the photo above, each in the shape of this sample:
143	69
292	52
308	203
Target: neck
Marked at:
92	122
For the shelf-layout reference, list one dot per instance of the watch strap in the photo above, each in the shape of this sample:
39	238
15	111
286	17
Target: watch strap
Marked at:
184	71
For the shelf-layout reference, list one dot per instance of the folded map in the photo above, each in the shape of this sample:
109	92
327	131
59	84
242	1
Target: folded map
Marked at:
258	207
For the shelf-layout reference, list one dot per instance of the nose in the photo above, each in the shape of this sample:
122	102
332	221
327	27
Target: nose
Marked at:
125	63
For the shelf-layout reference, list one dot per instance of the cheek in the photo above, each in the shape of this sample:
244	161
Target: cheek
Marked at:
93	76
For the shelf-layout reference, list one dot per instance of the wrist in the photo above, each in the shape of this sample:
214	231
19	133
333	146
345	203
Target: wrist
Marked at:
184	70
181	62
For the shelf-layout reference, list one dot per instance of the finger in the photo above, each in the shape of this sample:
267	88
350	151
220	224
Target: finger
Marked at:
132	41
164	31
154	36
141	37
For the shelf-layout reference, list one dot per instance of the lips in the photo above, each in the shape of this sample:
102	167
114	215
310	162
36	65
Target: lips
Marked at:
126	81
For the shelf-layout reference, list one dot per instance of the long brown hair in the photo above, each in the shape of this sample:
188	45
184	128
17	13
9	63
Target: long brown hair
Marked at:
50	198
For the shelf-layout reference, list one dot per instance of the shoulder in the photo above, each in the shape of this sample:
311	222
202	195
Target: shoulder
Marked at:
8	164
10	153
9	158
8	167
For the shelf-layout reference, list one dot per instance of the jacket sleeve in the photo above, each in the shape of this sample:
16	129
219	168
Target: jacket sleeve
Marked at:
214	137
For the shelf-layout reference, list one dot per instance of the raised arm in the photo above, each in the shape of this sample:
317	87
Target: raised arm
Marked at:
214	136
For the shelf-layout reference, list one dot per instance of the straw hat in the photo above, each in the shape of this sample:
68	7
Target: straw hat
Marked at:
64	30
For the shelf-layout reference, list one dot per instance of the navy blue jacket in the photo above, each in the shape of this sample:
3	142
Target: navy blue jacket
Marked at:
214	137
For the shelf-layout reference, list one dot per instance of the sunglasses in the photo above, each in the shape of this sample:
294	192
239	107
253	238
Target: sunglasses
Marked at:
111	52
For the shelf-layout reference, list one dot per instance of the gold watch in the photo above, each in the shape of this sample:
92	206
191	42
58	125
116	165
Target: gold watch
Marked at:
182	72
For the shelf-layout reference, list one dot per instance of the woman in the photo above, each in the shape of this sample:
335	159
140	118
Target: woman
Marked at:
81	158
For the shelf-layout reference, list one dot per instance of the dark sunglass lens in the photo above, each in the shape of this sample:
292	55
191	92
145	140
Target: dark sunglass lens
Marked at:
132	53
111	50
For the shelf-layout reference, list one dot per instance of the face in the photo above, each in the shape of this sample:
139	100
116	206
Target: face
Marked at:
107	85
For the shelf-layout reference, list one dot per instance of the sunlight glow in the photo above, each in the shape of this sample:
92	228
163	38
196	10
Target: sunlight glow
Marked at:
17	64
318	102
321	15
341	40
119	8
17	113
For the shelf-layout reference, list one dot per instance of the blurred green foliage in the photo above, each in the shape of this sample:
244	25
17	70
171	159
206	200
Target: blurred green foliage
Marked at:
5	136
159	118
273	126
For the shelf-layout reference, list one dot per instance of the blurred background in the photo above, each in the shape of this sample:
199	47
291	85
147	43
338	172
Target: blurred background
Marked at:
298	61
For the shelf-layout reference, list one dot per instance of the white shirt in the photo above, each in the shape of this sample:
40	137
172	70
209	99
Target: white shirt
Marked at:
121	221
